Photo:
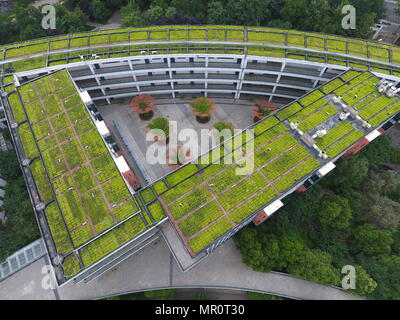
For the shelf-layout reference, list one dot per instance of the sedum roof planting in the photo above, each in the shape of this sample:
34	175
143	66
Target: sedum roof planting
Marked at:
204	201
74	173
279	43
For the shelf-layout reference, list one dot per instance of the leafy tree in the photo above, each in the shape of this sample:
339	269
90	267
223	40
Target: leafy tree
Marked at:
154	14
247	12
8	29
70	21
250	248
350	173
9	165
309	15
100	11
333	242
195	8
365	285
130	15
315	265
378	152
371	240
216	13
334	212
385	270
178	18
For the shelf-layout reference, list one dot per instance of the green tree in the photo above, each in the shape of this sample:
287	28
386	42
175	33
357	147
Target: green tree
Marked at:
216	13
378	151
334	212
371	240
315	265
154	14
250	248
9	165
247	12
385	270
365	285
130	15
100	11
195	8
349	173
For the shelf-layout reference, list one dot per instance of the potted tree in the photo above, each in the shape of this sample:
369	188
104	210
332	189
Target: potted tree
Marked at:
221	126
203	108
262	108
143	104
159	129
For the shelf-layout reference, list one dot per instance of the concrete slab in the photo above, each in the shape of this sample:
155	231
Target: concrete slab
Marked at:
133	129
27	284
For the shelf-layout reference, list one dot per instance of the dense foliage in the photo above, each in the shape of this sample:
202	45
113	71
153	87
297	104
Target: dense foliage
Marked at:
309	15
351	217
21	227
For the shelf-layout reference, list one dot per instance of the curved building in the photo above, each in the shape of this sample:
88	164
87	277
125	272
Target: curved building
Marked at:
333	102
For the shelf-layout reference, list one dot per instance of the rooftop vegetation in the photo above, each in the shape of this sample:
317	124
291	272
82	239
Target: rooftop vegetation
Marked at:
87	185
96	40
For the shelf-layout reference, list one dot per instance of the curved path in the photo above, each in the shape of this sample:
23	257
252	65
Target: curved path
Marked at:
154	268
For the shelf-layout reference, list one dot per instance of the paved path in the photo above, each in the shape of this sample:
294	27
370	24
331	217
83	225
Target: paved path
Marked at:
154	268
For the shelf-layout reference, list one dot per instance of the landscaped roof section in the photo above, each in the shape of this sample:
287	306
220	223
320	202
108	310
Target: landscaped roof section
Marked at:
205	201
192	39
71	164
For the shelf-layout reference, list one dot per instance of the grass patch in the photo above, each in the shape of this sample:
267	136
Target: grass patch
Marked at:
296	175
42	129
58	229
125	210
189	202
97	210
200	219
71	266
59	122
317	118
73	153
181	174
104	168
209	235
54	162
252	205
84	178
93	144
28	142
41	180
284	163
344	143
335	134
116	191
16	107
242	191
156	211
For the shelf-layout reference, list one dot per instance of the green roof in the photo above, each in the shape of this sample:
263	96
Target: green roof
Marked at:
72	165
259	40
204	201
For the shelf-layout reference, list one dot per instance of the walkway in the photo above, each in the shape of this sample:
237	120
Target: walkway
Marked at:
155	268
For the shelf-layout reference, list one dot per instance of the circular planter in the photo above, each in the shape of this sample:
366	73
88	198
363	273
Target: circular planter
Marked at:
256	119
203	119
147	115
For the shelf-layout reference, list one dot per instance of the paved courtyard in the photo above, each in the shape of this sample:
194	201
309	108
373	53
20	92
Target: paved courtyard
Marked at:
133	130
